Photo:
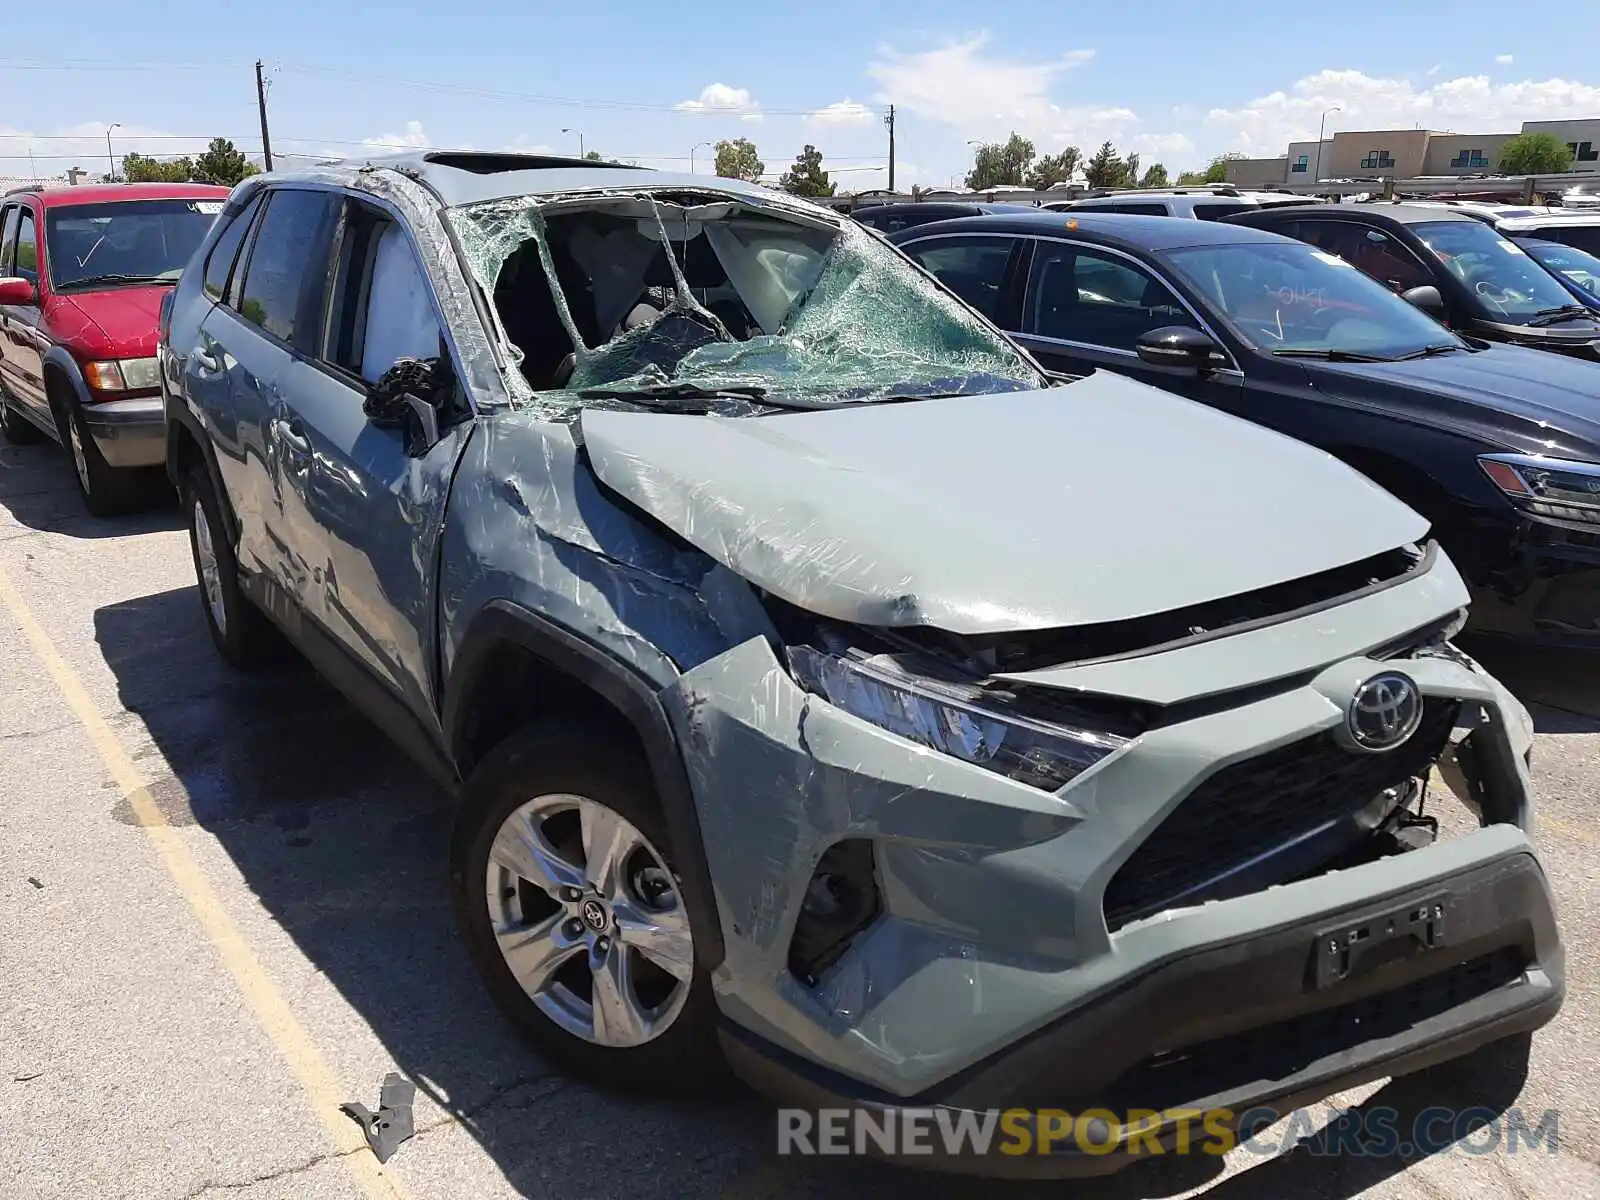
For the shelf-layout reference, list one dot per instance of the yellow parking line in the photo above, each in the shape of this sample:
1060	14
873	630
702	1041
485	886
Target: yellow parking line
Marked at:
255	985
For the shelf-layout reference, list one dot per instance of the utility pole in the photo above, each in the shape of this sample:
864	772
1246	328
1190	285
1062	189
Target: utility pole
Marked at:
261	105
889	121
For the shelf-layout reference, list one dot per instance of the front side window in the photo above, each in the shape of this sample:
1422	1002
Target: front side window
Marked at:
290	230
382	307
8	237
1076	294
125	241
972	268
1297	299
25	258
1506	284
1216	211
1582	237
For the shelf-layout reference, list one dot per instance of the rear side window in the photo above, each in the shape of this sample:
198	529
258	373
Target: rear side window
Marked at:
1215	212
219	264
292	238
1583	237
973	268
27	253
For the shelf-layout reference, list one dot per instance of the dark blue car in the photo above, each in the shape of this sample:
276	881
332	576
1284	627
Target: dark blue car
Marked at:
1578	270
1498	445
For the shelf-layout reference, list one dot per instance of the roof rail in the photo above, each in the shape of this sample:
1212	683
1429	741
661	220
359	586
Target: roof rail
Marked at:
25	187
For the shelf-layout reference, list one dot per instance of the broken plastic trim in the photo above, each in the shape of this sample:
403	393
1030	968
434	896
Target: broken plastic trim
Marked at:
858	323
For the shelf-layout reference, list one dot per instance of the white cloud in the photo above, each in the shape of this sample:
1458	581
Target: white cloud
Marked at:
1469	104
960	84
721	99
413	137
842	112
1505	60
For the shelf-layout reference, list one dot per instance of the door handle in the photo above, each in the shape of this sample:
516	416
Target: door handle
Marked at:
204	361
292	436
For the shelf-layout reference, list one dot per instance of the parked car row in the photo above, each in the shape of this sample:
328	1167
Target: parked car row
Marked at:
842	676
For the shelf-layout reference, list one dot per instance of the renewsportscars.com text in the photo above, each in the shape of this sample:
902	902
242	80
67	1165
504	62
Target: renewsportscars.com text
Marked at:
1375	1132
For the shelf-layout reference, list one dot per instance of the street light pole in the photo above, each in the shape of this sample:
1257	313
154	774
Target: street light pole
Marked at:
579	132
1321	125
111	161
692	149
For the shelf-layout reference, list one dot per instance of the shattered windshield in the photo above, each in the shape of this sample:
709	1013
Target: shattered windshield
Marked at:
718	302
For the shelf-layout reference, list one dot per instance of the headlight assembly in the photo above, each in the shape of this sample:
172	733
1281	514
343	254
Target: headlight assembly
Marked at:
1551	487
952	719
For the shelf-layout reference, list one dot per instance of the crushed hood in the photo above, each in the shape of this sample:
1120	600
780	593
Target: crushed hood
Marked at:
1097	501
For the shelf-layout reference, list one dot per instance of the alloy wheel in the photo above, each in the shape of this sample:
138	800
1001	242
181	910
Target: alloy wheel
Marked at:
588	918
79	458
205	554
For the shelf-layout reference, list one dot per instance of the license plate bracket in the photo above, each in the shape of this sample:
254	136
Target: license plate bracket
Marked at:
1414	927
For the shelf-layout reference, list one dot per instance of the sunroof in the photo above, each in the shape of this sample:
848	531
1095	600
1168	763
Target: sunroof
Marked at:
488	163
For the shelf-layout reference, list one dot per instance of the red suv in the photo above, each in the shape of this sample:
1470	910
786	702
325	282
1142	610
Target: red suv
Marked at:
82	274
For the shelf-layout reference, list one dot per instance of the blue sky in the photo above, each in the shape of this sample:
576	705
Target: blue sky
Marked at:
1175	80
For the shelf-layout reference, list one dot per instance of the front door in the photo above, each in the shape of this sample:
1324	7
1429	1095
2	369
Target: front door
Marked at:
1084	308
25	339
362	511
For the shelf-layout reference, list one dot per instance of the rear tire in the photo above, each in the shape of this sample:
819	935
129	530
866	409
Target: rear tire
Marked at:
239	630
106	491
547	801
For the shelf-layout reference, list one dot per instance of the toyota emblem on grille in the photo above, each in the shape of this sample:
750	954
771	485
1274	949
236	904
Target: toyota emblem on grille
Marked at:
1384	712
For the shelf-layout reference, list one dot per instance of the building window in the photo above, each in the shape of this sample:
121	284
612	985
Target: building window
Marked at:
1583	152
1301	165
1377	158
1469	160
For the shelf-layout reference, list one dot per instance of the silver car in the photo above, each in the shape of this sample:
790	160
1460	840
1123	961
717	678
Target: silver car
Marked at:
829	693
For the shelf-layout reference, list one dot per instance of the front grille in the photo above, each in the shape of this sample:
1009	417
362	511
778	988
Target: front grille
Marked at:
1277	1051
1248	809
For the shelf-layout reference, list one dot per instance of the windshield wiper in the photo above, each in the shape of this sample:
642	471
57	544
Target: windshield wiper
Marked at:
115	278
681	397
1427	352
1566	312
1332	355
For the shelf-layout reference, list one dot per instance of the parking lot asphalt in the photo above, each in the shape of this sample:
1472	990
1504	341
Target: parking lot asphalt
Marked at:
223	913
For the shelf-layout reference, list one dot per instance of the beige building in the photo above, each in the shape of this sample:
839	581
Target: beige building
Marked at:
1257	172
1409	153
1464	153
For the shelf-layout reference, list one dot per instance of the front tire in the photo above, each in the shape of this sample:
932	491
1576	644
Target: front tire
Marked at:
239	629
562	872
106	491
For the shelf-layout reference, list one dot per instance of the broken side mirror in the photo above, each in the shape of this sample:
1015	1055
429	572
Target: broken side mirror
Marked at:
1426	298
409	396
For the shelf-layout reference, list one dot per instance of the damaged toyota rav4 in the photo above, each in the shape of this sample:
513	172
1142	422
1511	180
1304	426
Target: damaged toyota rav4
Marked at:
830	693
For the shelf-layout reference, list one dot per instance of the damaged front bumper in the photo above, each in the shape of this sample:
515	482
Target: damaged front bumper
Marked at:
991	968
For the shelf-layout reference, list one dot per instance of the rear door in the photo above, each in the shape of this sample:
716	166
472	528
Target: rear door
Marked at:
247	344
363	504
9	213
983	269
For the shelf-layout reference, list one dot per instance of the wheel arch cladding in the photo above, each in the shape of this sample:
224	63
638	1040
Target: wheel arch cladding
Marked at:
514	667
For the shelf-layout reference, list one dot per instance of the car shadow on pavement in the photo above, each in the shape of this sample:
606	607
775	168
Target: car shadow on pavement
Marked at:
1561	687
343	843
38	491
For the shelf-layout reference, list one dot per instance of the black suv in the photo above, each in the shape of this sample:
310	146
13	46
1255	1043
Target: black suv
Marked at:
1449	264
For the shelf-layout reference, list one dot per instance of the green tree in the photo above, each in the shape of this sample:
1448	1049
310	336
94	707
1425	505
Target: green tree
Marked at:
592	156
737	159
1130	170
1216	171
1106	169
1001	164
222	163
1054	168
137	168
1535	154
1155	177
806	177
